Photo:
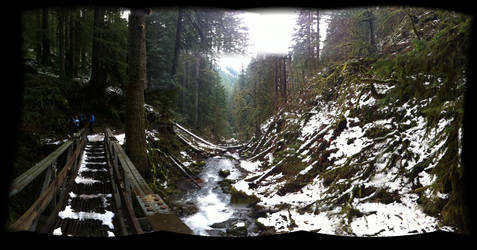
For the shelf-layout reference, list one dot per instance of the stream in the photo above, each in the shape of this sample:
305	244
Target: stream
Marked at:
215	215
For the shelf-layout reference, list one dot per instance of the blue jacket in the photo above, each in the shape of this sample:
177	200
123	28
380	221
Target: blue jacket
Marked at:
92	119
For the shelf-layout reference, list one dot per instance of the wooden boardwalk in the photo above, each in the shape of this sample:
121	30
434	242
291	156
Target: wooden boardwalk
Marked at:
96	192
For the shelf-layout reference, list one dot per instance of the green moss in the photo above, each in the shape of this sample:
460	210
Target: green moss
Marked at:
377	132
240	197
226	185
383	196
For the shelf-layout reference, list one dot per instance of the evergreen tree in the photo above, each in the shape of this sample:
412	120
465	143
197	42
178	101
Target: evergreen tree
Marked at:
135	120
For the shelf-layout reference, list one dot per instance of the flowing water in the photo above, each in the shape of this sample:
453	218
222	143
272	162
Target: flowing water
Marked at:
215	213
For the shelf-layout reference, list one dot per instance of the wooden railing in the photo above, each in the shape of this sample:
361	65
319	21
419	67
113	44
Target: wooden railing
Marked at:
128	187
130	184
54	184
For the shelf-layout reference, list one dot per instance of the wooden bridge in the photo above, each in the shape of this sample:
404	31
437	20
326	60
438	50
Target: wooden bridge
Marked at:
91	188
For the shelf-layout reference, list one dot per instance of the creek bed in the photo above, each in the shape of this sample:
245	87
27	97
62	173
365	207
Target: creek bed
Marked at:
215	215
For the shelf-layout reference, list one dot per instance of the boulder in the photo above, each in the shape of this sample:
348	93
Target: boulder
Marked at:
187	209
239	197
239	229
224	173
225	185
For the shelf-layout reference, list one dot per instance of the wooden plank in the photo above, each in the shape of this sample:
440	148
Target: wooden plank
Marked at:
138	184
31	174
27	219
168	222
142	191
112	152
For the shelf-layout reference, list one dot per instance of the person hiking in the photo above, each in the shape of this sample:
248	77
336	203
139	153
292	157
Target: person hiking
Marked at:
82	119
76	123
71	125
91	122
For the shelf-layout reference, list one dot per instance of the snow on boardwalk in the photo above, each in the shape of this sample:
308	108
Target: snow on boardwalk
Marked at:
89	210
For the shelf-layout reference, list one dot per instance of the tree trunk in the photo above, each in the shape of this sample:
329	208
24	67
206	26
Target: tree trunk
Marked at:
184	81
275	71
317	59
284	80
370	20
45	51
69	46
61	41
310	53
196	92
412	18
38	36
178	42
255	107
135	121
98	75
77	42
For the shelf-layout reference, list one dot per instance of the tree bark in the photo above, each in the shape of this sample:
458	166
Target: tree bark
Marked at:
317	59
69	45
184	82
61	41
98	76
196	92
370	20
178	42
310	53
284	80
77	42
275	71
412	18
45	51
135	120
38	38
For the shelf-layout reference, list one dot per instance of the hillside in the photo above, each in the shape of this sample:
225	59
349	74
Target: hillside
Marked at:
359	152
355	165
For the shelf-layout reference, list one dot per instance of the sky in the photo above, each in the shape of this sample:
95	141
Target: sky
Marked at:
270	32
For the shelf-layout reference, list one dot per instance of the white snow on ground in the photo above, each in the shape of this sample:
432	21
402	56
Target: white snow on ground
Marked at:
304	171
392	219
106	218
323	222
51	141
120	138
57	231
96	137
401	217
83	168
113	89
250	166
233	155
104	197
314	123
345	148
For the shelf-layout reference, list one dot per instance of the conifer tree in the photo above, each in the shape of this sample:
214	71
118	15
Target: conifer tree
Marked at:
135	120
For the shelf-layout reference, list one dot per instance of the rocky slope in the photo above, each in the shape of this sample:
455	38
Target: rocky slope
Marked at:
338	159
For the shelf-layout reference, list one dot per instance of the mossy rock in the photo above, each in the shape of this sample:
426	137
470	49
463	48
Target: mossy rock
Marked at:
361	191
260	225
238	229
186	209
239	197
224	173
226	185
385	197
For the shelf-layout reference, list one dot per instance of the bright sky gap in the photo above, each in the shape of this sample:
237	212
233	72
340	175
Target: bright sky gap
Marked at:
270	32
